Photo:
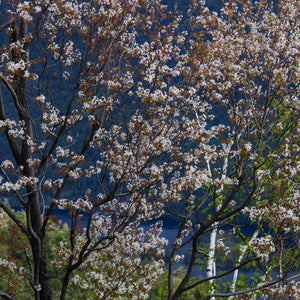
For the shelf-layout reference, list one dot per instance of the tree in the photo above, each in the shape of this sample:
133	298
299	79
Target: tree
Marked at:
84	118
244	62
108	110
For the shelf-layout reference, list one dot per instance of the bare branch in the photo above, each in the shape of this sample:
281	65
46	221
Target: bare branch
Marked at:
20	108
6	296
257	288
10	140
14	217
6	25
220	275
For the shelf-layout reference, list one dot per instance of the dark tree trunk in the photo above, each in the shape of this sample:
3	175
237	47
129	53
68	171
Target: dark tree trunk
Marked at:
42	286
41	280
40	277
65	285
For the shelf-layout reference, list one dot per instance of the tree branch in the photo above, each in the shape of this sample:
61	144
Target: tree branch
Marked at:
12	144
7	24
6	296
225	295
16	192
220	275
13	216
11	90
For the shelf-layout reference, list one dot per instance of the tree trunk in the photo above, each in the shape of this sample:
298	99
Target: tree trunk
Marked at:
42	286
65	285
41	281
236	272
211	263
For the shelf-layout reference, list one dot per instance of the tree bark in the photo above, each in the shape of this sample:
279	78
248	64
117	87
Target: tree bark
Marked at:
40	278
65	284
211	263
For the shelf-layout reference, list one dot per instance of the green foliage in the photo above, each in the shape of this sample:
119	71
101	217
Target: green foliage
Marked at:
159	290
13	247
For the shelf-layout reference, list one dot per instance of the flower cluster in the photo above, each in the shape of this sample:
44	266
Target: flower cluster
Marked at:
8	265
118	268
263	247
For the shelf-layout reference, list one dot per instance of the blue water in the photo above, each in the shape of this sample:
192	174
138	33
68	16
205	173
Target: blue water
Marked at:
169	229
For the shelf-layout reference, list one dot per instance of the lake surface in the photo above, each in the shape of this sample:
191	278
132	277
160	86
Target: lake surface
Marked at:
169	227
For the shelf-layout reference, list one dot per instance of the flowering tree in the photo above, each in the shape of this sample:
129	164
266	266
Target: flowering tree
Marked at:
108	110
244	62
89	123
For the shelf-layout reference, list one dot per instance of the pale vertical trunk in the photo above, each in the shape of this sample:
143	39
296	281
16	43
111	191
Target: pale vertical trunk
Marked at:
280	267
236	272
211	263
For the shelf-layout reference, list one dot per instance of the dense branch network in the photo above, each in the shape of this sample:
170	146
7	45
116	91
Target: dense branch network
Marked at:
125	112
